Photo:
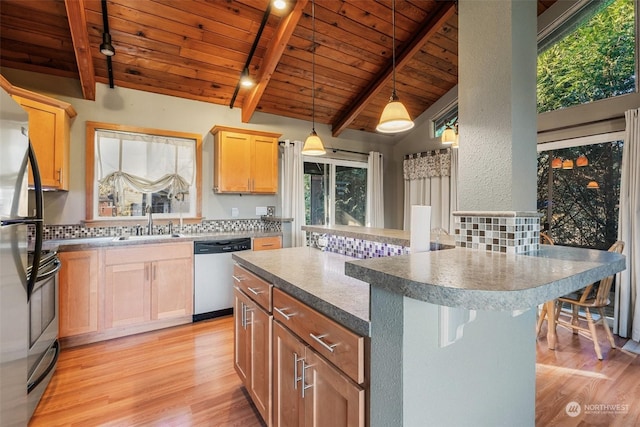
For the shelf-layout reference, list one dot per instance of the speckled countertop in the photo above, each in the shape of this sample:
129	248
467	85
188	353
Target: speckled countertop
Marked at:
101	242
316	278
483	280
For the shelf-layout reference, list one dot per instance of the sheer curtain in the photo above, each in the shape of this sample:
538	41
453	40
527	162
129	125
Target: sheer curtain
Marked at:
428	180
293	190
627	320
375	191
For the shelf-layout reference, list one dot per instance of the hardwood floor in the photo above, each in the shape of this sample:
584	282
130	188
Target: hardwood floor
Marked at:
573	373
184	376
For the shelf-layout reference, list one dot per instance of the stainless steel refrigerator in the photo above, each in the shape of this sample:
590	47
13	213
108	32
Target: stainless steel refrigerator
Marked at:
15	283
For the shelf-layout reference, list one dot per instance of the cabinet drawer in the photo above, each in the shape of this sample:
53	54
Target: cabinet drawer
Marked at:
256	288
337	344
265	243
148	253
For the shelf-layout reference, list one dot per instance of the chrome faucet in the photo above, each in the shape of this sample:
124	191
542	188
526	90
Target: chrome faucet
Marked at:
149	222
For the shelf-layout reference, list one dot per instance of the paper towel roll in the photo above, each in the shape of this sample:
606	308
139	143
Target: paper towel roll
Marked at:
420	228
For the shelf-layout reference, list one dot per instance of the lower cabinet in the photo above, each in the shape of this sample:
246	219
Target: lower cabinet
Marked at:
78	293
308	391
252	351
148	283
118	291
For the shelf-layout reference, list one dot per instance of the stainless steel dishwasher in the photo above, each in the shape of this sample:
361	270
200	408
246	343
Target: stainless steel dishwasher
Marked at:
213	284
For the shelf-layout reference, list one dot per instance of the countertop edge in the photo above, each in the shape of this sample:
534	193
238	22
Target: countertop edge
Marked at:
346	319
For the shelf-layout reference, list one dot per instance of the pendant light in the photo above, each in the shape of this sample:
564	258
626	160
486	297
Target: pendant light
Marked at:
313	145
395	117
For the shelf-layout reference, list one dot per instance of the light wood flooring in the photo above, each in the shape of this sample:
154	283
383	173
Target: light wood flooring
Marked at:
184	376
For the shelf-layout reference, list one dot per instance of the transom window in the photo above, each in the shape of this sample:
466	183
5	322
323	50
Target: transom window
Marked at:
137	170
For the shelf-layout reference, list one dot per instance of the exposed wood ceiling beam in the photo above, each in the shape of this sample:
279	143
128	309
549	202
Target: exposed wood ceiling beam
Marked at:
82	48
431	25
271	58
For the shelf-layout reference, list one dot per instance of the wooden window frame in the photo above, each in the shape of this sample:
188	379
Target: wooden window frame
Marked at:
90	160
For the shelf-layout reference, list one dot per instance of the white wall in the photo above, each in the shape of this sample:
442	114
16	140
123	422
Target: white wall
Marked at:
144	109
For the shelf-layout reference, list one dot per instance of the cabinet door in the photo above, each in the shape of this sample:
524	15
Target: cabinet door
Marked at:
171	288
78	292
332	400
288	359
127	294
260	380
265	165
232	152
48	133
241	347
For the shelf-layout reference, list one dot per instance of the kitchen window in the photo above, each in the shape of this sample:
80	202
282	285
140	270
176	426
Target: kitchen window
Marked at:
335	192
136	170
588	55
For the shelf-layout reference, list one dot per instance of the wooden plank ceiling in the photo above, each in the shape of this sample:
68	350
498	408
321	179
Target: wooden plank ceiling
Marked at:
197	49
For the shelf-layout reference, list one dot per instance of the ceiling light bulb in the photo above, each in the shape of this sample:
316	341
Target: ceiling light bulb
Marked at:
279	4
106	48
313	145
246	80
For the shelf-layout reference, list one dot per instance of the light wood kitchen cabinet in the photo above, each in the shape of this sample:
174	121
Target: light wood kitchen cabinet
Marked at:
78	293
245	161
308	391
253	338
147	283
266	243
252	352
49	124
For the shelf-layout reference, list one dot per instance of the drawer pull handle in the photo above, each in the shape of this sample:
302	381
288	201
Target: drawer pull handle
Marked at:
237	279
253	291
281	312
264	245
319	338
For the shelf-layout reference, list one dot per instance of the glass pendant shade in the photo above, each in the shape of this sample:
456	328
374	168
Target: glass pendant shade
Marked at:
582	161
567	164
449	136
556	163
395	118
313	145
593	185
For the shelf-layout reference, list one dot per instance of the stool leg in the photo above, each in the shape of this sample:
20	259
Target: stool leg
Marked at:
594	335
605	325
574	318
543	314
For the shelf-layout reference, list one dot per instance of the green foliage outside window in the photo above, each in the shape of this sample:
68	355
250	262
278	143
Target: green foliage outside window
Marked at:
596	61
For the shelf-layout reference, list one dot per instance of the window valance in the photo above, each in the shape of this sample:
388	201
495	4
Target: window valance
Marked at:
427	164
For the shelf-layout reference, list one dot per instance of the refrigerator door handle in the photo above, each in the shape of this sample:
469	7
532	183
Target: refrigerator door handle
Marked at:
37	183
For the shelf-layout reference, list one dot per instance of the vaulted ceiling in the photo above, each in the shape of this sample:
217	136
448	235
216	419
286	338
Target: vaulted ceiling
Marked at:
197	49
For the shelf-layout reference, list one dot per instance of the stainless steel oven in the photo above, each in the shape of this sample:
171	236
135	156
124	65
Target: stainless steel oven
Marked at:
43	329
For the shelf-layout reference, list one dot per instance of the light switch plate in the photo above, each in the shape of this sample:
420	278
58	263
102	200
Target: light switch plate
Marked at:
234	212
261	210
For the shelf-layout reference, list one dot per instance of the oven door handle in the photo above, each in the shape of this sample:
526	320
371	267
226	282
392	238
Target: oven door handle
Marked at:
50	273
37	381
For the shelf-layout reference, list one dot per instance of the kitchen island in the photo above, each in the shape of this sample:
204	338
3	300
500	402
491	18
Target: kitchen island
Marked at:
451	333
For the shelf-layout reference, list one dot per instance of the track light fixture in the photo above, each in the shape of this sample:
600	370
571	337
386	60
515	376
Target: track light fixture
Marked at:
106	48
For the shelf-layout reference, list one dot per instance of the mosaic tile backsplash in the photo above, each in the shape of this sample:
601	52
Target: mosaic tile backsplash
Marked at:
356	248
76	231
507	232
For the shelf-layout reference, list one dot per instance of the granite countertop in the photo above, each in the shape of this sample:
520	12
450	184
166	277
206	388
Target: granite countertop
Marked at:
316	278
112	241
481	280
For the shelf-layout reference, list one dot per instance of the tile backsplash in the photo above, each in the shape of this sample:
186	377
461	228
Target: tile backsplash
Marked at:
507	232
353	247
75	231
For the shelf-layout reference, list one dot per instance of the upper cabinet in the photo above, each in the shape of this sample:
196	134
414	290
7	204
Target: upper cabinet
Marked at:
49	122
245	161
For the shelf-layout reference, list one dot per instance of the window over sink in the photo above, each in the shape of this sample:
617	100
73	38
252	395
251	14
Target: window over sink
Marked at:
132	170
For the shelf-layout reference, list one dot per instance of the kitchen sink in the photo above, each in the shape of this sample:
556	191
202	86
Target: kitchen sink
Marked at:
146	237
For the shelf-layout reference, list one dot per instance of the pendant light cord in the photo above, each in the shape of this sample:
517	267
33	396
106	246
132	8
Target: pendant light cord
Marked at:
313	65
393	47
